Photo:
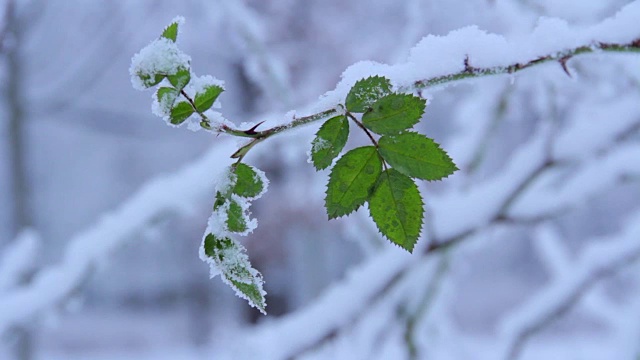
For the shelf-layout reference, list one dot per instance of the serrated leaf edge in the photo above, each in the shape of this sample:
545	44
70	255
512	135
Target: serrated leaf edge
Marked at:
370	191
455	167
422	216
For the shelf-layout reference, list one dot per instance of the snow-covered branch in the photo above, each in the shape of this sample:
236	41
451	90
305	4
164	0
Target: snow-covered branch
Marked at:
172	193
336	308
470	53
606	256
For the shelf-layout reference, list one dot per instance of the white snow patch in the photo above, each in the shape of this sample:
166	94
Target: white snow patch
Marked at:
161	56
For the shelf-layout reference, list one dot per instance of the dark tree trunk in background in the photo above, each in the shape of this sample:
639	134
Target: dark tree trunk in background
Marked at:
21	216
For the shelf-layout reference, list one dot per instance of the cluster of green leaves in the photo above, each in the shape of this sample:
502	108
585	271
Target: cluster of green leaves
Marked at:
227	254
382	174
173	98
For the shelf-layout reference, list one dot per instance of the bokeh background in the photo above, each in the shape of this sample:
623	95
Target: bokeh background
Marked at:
77	143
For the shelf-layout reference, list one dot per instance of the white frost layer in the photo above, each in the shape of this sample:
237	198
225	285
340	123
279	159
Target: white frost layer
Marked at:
161	56
235	265
436	56
197	85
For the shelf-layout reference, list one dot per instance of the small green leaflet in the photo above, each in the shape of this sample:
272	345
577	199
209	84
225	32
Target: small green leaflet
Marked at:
150	81
365	92
220	200
181	112
247	184
329	141
416	155
171	32
394	113
236	218
167	96
204	100
229	258
397	209
180	79
351	181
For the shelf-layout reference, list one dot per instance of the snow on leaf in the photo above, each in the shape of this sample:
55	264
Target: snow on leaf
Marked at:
227	257
205	99
394	113
163	102
367	91
171	31
180	79
248	182
155	61
236	218
329	141
181	112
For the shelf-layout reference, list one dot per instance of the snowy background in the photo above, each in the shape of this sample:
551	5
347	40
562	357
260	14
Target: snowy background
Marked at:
103	206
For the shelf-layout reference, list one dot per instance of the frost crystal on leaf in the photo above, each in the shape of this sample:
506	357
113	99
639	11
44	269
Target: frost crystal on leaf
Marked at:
200	83
160	58
320	144
227	258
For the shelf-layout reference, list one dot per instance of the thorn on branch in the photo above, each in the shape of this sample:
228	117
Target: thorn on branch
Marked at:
563	63
467	67
252	131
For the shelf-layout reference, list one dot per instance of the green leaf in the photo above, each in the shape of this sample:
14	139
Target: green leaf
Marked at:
396	208
167	96
351	181
329	141
394	113
236	219
220	200
254	293
365	92
171	32
229	258
149	80
248	184
181	112
204	100
416	155
180	79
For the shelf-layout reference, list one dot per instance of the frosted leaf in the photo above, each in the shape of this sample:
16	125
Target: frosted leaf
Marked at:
199	83
160	57
227	257
217	224
228	193
196	85
260	176
225	181
250	223
163	101
320	144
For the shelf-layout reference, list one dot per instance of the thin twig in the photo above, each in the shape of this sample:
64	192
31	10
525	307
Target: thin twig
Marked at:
468	72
